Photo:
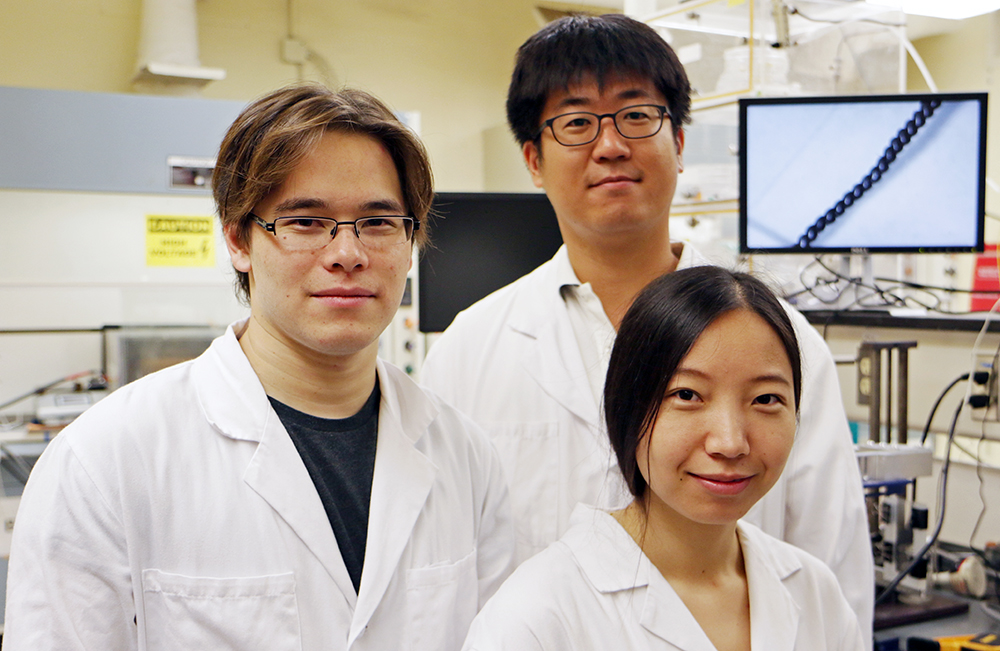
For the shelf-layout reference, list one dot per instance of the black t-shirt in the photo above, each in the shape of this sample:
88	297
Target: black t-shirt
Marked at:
339	454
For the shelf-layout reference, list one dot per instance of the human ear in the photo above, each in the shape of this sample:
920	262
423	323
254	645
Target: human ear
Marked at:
679	142
532	159
238	252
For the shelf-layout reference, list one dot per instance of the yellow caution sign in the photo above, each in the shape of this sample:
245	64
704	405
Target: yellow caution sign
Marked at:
180	241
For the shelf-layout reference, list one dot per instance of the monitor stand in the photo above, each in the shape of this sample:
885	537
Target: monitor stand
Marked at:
859	288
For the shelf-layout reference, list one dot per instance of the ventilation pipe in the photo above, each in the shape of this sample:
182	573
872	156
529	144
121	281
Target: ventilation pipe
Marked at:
168	50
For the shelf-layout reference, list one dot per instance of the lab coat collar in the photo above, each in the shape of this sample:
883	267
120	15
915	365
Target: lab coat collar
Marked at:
613	562
541	315
231	395
774	615
235	403
557	365
606	553
563	271
402	481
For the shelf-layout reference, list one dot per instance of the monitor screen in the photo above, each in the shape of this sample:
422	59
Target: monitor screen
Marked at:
863	174
479	243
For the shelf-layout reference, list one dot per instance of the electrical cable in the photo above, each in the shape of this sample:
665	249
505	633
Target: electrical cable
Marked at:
793	11
979	340
982	496
937	403
942	495
979	474
886	294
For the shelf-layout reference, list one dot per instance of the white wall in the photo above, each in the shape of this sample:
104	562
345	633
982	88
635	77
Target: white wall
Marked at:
75	260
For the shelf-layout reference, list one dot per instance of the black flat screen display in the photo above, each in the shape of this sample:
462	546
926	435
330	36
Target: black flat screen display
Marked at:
479	243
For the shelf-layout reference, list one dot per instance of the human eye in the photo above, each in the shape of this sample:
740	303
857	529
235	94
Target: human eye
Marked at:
380	225
576	122
684	395
306	225
638	114
769	400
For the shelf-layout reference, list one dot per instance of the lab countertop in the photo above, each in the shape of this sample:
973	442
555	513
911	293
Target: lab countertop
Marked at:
973	622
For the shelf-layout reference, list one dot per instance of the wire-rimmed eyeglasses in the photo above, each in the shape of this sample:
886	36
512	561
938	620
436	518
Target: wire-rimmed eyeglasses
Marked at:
303	233
583	128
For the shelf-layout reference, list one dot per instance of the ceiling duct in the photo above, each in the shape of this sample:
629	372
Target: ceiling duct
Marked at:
168	50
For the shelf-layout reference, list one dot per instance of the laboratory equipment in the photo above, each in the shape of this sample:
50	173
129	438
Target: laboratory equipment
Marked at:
131	352
62	407
887	470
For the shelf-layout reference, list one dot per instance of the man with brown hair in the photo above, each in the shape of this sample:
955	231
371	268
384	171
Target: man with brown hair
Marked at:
287	489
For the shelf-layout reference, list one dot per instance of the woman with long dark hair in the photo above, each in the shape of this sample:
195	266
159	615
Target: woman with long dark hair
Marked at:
701	405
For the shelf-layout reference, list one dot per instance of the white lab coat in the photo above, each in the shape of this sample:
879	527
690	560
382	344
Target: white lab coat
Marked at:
595	589
512	363
177	514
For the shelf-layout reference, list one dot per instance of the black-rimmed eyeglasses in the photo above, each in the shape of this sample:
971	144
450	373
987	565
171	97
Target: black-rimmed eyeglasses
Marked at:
310	233
583	128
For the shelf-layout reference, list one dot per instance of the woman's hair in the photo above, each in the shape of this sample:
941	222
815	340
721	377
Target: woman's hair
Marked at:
658	331
276	132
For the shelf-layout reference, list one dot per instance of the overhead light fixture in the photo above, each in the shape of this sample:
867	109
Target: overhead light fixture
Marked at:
953	9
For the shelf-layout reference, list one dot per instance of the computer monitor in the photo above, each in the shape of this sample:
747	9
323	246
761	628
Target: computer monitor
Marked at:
479	243
863	174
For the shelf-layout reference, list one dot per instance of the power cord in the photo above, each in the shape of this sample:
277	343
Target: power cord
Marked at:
887	295
942	494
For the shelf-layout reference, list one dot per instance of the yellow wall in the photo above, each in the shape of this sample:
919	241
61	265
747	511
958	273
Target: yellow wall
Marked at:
967	59
448	59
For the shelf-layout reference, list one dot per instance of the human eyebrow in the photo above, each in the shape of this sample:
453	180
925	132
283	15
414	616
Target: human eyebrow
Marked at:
299	203
573	102
634	93
773	377
690	372
763	378
384	206
314	203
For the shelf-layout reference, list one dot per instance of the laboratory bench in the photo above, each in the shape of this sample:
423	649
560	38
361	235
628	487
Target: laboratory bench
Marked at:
901	319
974	621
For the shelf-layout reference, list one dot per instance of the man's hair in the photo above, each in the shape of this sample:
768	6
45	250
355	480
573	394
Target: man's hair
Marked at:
276	132
569	50
656	334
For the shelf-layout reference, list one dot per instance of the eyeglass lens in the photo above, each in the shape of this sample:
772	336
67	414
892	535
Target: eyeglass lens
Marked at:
306	233
640	121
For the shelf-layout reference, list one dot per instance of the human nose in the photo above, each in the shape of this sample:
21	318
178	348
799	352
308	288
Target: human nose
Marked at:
345	248
727	434
610	143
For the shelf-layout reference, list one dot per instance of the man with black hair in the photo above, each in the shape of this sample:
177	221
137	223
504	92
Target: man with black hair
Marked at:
598	105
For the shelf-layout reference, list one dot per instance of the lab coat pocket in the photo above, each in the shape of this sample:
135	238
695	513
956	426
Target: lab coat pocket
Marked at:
184	612
441	601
